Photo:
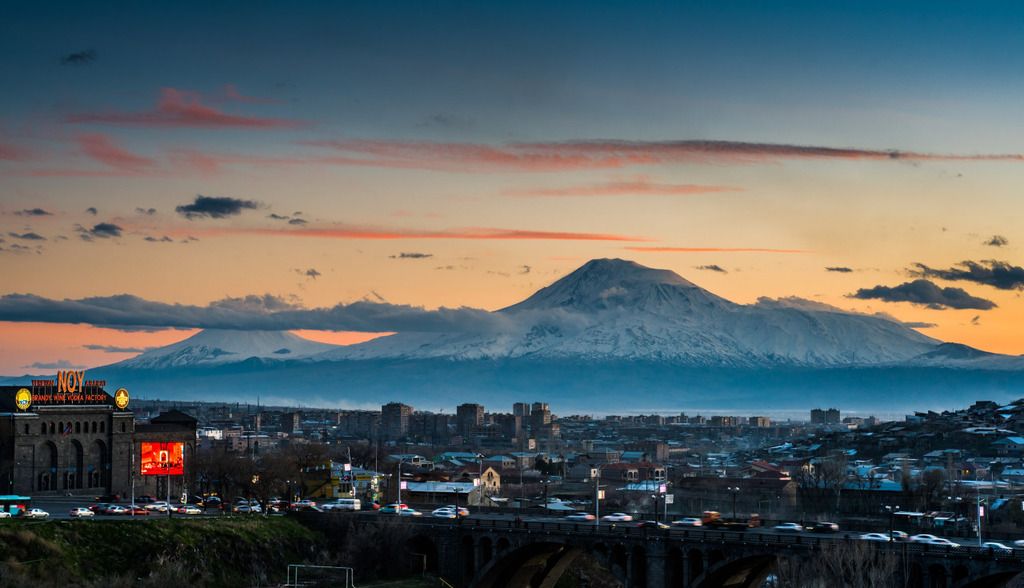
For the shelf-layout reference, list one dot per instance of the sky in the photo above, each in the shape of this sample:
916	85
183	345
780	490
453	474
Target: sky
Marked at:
410	155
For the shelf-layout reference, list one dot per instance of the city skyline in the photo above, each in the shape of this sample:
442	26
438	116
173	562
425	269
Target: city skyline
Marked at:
467	156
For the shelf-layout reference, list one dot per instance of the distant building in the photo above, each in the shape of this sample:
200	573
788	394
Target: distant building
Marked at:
395	420
759	421
468	418
521	409
723	421
825	417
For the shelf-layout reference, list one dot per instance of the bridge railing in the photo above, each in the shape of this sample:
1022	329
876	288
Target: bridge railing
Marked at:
702	535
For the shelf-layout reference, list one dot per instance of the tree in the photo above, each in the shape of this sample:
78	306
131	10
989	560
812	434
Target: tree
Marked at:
852	564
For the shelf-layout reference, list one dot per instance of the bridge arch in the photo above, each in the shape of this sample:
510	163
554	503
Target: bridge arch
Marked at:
743	572
638	567
424	548
695	559
937	576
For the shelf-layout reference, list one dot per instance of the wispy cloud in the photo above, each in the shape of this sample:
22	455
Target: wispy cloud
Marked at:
103	149
997	241
34	212
642	186
663	249
99	231
115	348
29	236
182	108
839	269
712	268
925	293
386	233
253	312
60	364
989	272
606	154
215	207
412	255
79	58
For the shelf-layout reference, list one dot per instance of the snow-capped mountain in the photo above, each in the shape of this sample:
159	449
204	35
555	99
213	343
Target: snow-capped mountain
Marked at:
611	308
217	347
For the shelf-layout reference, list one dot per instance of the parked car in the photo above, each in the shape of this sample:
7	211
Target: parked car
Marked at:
115	509
444	513
688	522
824	527
995	546
99	507
789	527
303	505
36	513
6	515
617	517
409	512
249	508
580	517
875	537
136	510
652	525
159	506
189	509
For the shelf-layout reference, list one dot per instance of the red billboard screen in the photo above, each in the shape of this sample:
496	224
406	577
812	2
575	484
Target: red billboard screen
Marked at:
162	459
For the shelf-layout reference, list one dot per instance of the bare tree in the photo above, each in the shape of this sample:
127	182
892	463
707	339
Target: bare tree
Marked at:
852	564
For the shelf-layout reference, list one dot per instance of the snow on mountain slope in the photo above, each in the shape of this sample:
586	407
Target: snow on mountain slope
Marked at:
611	308
215	347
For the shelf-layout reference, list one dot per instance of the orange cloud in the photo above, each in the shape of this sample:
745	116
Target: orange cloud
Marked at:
180	108
659	249
603	154
384	234
640	185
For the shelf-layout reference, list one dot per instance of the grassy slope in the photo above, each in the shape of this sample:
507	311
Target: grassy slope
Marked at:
219	552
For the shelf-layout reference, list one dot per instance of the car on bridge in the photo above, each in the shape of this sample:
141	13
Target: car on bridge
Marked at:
617	517
81	512
393	508
996	546
789	527
444	513
409	512
159	506
688	522
824	527
652	525
189	509
36	513
115	509
459	510
875	537
580	517
899	536
922	538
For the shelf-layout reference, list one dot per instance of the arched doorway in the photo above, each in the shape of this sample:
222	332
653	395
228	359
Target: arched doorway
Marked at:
98	464
76	466
46	465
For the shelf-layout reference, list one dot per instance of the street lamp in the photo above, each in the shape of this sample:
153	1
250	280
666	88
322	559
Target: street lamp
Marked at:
892	520
735	490
597	494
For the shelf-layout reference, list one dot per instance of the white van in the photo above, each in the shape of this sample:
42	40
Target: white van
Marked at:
342	504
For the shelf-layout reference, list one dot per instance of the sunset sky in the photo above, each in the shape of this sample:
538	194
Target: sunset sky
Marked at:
449	154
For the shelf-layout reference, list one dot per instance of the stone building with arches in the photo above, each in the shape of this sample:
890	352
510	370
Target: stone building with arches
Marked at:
59	442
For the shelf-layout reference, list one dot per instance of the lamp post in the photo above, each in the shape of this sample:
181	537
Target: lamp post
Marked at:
734	490
597	495
892	519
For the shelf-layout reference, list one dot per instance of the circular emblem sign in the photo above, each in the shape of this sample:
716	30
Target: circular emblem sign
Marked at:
121	398
23	399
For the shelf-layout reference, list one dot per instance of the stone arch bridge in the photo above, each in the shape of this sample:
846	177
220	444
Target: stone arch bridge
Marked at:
500	553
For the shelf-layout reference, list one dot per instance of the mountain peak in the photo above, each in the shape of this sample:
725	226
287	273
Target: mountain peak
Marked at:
601	284
214	346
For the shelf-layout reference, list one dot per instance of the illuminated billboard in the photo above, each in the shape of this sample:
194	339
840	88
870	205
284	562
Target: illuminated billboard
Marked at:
162	459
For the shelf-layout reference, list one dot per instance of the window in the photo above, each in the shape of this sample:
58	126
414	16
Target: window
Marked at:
123	428
103	427
94	426
78	427
52	429
26	428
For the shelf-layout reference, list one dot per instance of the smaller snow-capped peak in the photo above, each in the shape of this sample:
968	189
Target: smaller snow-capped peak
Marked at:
218	346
